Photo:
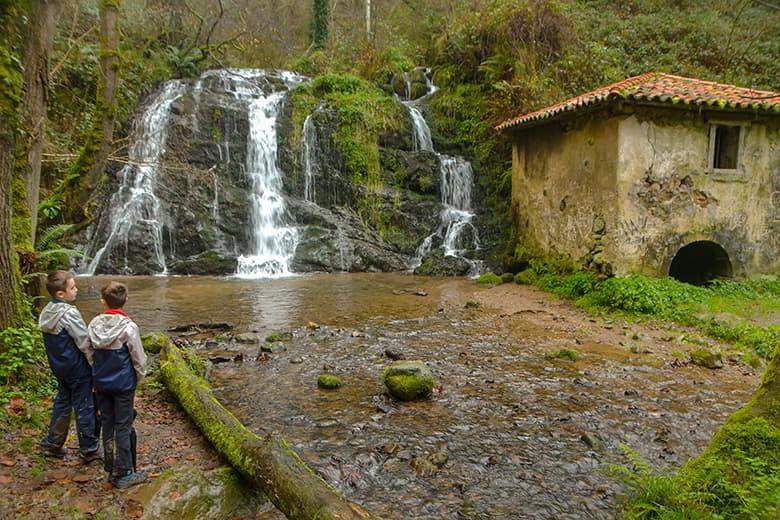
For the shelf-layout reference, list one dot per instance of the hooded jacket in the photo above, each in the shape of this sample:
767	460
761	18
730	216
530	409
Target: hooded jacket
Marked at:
118	357
66	340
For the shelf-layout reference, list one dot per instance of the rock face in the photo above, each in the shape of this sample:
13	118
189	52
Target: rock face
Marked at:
409	380
193	216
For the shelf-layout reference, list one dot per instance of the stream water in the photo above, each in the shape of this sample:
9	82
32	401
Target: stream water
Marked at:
512	435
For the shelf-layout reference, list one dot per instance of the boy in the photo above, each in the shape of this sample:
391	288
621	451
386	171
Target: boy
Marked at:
118	365
66	341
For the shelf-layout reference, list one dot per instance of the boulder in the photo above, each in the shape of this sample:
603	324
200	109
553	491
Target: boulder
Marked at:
210	262
409	380
706	358
329	381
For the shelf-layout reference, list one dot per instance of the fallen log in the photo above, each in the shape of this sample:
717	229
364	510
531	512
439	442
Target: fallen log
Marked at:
267	462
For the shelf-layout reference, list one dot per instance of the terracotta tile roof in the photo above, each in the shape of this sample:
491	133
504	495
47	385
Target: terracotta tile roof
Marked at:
663	88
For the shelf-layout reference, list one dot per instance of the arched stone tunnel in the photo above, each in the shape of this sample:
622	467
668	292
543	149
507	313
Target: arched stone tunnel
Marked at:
700	262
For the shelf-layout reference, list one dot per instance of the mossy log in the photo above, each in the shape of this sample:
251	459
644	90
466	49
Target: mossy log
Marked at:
267	462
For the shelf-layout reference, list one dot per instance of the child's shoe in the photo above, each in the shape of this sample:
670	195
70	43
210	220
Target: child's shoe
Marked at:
57	452
89	456
131	479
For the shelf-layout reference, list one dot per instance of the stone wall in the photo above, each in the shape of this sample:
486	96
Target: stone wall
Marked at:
564	190
623	191
669	197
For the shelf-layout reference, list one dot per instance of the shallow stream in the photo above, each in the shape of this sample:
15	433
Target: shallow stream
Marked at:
507	434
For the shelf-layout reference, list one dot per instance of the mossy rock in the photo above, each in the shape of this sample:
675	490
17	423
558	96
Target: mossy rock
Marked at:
409	380
507	278
190	493
564	353
706	358
279	336
489	279
154	342
329	381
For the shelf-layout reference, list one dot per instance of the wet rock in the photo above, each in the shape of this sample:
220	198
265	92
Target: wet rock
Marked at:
437	264
395	355
200	327
190	492
592	440
210	262
273	347
329	382
382	404
423	467
706	358
404	455
249	338
279	336
296	360
408	380
420	292
439	458
390	448
312	325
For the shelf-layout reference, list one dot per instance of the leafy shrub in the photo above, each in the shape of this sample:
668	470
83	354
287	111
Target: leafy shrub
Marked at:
527	277
642	294
19	348
490	279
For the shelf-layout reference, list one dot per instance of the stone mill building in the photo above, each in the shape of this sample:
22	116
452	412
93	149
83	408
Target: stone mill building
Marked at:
655	174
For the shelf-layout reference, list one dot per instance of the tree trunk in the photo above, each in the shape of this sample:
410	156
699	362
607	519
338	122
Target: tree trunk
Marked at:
40	36
7	255
368	19
10	93
268	462
94	157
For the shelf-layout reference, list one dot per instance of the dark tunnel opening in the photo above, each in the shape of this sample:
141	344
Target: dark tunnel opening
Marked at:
700	262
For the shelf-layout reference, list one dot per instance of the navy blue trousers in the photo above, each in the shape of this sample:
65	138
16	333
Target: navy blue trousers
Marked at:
76	395
116	413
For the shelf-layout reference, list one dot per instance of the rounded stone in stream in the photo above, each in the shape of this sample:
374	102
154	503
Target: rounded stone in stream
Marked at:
706	358
329	382
408	380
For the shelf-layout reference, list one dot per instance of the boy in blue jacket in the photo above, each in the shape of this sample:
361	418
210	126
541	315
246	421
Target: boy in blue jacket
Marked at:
66	341
118	365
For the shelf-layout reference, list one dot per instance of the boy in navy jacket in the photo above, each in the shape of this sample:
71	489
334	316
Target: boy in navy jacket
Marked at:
66	341
118	365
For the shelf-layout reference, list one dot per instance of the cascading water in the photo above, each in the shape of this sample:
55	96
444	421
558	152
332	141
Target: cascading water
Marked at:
274	242
456	233
135	207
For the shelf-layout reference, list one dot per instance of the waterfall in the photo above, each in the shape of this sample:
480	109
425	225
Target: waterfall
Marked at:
456	232
135	205
272	241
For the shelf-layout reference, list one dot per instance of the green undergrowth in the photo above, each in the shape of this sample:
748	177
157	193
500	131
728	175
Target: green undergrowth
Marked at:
363	113
735	477
668	299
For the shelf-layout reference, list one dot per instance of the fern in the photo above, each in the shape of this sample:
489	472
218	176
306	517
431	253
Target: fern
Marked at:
51	234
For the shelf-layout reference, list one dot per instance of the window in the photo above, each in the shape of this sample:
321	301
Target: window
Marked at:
724	146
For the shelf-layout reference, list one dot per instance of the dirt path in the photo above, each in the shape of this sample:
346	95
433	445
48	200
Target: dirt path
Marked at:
36	488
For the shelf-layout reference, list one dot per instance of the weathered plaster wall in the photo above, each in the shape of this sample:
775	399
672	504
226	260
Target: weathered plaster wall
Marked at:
669	198
564	190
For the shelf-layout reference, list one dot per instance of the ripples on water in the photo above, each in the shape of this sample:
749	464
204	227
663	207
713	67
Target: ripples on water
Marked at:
509	422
